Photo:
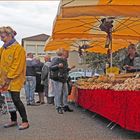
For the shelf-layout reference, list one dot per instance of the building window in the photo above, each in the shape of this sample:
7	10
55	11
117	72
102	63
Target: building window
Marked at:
40	50
30	48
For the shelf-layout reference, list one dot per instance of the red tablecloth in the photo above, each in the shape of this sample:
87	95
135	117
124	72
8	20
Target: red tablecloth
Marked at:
121	107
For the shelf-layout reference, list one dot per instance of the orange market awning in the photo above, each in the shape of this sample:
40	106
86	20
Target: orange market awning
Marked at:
97	46
52	45
65	29
74	8
69	28
88	27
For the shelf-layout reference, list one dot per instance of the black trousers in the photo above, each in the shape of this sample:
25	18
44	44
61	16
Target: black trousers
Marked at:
20	107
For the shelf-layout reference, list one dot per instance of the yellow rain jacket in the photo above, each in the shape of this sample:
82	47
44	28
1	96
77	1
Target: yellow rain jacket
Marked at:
13	66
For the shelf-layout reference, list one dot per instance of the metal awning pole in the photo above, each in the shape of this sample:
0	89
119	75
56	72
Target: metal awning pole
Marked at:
111	50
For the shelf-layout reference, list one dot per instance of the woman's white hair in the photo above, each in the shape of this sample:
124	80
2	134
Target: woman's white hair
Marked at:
60	51
8	30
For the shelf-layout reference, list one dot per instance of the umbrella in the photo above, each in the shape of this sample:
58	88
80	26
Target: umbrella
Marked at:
75	8
66	30
83	20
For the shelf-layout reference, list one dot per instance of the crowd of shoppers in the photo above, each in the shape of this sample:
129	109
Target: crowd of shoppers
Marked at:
49	79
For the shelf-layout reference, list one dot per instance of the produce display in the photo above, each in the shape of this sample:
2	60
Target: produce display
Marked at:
130	84
130	81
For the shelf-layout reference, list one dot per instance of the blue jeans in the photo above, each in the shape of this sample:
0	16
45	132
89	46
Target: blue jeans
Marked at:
30	89
60	91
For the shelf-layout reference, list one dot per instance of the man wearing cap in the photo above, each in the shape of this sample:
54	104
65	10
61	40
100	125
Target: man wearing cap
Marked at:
13	69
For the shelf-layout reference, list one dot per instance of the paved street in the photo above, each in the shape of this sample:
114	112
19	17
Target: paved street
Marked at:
46	124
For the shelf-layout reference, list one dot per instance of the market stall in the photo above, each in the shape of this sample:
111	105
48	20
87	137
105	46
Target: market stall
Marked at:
114	98
118	101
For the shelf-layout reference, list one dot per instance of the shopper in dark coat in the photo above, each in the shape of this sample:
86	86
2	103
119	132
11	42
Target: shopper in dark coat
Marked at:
39	86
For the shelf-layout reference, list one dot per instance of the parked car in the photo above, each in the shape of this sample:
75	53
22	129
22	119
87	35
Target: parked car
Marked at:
74	76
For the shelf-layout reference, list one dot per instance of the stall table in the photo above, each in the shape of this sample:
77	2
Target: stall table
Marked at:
121	107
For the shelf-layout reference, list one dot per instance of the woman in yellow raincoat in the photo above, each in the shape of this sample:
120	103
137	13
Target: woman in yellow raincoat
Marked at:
13	67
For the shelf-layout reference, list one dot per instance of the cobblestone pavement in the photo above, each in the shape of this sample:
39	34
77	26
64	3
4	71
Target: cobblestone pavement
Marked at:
46	124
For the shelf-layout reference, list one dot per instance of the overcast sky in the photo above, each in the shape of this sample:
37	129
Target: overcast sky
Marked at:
28	17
